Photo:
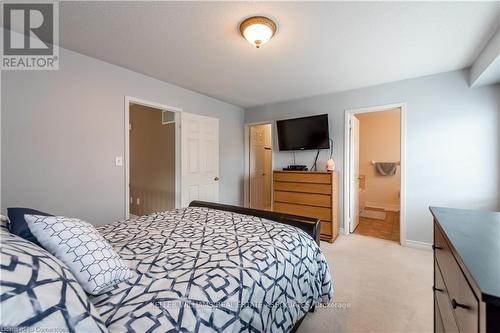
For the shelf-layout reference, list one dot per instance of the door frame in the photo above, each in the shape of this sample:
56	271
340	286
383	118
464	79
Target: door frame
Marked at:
351	178
349	113
178	178
246	178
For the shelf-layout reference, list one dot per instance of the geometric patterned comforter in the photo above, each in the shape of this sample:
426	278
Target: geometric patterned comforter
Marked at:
38	293
205	270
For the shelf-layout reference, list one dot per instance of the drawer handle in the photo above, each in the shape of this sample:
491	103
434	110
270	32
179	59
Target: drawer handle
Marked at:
455	305
437	289
434	247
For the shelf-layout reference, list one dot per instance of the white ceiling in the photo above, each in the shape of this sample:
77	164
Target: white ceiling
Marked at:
320	47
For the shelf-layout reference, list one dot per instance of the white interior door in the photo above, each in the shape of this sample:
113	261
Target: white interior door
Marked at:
200	158
354	175
257	171
260	166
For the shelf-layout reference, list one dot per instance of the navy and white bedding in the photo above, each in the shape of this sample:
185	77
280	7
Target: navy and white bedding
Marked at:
39	292
205	270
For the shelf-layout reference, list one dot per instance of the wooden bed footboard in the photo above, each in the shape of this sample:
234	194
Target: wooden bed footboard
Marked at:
310	225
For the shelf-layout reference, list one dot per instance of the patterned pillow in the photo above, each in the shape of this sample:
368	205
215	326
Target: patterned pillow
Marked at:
80	246
38	292
4	222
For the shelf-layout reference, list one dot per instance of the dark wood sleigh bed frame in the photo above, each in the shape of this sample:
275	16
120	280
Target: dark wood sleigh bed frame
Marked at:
309	225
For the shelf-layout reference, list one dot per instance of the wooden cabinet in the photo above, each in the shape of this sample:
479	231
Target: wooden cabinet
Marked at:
466	271
311	194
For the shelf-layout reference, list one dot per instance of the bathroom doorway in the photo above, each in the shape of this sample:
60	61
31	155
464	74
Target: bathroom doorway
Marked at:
375	170
260	155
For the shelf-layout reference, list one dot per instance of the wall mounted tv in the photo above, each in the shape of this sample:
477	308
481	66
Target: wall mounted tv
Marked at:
303	133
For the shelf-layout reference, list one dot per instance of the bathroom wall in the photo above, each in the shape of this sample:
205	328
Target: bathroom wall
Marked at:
379	140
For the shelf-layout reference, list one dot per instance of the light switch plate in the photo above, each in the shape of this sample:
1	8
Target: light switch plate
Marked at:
119	161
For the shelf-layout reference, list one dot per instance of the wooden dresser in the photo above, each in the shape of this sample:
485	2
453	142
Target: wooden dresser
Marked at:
311	194
466	270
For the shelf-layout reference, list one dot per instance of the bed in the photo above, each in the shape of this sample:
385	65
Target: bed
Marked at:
215	268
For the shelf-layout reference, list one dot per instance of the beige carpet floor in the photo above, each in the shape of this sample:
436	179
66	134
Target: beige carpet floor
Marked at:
379	286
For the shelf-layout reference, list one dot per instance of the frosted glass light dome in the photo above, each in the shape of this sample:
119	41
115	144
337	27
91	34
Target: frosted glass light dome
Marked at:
258	30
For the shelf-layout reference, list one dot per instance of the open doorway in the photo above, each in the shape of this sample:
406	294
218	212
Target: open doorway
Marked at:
152	157
260	166
152	160
375	172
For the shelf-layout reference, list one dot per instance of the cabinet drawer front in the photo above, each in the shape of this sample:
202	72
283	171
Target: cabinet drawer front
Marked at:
303	187
444	303
326	228
438	321
319	178
311	199
301	210
459	290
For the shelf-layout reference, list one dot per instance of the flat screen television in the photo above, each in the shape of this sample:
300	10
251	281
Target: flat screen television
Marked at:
303	133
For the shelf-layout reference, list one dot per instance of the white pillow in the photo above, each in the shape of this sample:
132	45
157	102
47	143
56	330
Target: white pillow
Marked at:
79	245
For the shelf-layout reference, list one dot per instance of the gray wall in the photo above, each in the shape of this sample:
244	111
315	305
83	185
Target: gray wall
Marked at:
61	131
452	143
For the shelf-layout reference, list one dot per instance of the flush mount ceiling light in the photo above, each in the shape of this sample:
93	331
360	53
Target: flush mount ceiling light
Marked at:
258	30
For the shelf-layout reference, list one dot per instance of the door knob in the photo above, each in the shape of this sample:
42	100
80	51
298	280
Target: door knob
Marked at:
216	178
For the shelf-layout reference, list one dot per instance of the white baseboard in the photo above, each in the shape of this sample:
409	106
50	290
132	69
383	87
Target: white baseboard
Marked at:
341	231
418	245
384	206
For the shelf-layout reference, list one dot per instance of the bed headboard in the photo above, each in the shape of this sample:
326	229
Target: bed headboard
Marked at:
310	225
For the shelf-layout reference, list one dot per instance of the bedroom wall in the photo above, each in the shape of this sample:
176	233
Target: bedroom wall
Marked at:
61	131
452	144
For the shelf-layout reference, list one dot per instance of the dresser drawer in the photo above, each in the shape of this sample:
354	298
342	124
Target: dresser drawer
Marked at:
303	187
300	177
326	228
444	309
324	214
311	199
464	303
438	321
